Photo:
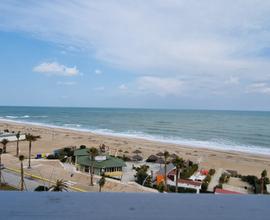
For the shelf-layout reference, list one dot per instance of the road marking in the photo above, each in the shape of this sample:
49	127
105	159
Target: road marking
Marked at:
43	179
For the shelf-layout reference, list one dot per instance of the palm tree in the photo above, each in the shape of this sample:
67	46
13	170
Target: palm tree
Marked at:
93	152
101	182
4	142
1	151
18	135
262	180
178	163
59	186
30	138
166	156
21	158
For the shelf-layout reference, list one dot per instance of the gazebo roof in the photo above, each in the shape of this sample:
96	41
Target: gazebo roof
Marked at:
137	158
160	154
137	152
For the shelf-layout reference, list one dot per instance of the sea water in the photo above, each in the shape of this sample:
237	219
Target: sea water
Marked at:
246	131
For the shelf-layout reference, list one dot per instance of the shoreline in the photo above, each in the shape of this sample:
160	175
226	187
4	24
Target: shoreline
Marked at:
54	138
253	151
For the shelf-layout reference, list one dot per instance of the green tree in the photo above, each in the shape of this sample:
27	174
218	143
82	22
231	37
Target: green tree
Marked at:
93	152
4	142
178	163
142	176
166	157
18	135
21	158
30	138
101	182
59	186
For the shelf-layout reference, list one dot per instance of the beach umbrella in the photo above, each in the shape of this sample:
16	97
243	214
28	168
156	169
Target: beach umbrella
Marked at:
152	158
173	156
137	158
160	161
137	152
160	154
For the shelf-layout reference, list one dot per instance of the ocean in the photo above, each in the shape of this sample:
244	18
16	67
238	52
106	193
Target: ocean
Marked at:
244	131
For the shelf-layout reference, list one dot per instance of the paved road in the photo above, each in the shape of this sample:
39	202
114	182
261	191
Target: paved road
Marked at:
15	181
215	180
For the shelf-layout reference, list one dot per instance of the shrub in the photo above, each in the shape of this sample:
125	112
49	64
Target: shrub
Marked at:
204	187
161	187
181	190
188	171
41	189
219	186
141	175
224	178
51	157
212	172
207	179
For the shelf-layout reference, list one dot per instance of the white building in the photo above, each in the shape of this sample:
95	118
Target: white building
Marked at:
11	136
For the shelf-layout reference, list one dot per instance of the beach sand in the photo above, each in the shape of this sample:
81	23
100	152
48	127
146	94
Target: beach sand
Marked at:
54	138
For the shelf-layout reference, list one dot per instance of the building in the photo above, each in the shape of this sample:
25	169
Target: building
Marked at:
109	165
11	136
171	179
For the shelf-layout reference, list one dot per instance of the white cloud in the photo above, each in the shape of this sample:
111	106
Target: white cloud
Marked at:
66	83
98	72
160	86
123	87
55	68
232	80
198	41
261	87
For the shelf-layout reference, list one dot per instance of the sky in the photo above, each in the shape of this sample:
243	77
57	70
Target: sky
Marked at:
184	54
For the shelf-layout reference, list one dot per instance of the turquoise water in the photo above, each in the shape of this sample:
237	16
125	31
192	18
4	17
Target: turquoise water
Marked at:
227	130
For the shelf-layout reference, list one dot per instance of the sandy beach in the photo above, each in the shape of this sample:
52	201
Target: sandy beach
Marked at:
54	138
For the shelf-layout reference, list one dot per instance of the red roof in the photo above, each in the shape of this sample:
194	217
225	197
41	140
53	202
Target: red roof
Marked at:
224	191
190	182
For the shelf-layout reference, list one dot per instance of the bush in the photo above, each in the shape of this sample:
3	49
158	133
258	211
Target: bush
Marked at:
52	157
189	171
207	179
142	176
212	172
124	158
204	187
161	187
181	189
219	186
224	178
41	189
251	179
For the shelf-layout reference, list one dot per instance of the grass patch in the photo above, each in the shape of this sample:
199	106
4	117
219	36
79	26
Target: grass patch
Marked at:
6	187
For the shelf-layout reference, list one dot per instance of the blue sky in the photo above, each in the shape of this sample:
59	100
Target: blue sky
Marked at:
153	54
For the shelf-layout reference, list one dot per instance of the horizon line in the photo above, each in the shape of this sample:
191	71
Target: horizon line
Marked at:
138	108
